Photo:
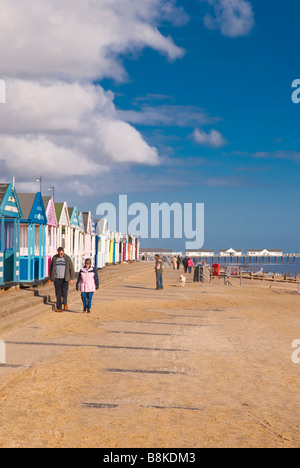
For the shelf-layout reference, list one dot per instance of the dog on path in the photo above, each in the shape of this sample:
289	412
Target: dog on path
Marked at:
182	280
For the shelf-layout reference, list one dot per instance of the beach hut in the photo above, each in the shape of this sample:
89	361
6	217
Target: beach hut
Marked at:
124	239
126	247
32	237
63	227
137	248
117	258
111	248
102	235
89	236
107	247
93	242
10	215
51	233
76	238
129	248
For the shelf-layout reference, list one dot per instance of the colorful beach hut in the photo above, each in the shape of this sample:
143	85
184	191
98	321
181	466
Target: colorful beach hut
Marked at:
112	247
63	227
76	238
10	215
89	236
32	237
117	247
129	248
102	235
51	233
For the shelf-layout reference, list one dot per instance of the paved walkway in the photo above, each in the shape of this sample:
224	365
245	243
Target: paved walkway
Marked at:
171	368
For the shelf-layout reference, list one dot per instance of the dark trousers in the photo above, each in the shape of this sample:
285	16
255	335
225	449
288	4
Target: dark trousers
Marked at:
61	292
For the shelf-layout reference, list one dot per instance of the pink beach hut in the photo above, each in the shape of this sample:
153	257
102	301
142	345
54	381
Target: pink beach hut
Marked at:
63	227
51	233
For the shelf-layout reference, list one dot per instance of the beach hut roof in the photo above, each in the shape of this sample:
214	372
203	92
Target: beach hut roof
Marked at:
62	214
32	206
50	210
74	217
87	221
3	190
9	202
101	227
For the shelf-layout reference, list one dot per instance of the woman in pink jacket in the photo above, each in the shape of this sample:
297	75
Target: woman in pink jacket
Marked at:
190	265
88	282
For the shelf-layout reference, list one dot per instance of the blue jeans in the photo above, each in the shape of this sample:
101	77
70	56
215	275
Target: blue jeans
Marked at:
87	300
159	281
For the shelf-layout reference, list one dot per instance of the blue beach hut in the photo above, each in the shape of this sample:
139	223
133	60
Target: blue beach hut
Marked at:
10	215
32	237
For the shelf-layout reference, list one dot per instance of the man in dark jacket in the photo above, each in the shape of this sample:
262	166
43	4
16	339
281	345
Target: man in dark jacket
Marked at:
61	273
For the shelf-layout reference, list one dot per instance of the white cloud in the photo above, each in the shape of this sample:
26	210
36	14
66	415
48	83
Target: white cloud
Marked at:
56	122
80	38
287	155
168	115
213	139
233	17
58	128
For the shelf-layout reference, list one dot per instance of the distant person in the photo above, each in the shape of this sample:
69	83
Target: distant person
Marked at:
88	283
174	261
159	266
184	263
190	264
61	274
178	262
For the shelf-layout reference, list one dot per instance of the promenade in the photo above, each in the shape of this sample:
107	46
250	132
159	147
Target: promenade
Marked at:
200	366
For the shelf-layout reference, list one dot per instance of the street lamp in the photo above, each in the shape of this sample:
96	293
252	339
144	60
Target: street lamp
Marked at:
51	187
40	180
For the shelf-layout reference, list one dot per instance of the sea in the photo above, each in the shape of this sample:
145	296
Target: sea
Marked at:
284	266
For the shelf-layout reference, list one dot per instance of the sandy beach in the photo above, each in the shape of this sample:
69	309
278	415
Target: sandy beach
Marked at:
207	365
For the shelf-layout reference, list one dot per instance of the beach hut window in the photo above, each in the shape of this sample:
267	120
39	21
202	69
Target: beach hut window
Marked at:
37	240
24	240
9	232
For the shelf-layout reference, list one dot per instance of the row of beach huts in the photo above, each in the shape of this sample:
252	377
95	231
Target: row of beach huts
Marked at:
32	227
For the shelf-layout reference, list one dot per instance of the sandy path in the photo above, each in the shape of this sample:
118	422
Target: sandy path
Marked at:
201	366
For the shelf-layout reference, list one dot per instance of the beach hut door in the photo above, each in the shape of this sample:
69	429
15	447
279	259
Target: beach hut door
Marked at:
9	254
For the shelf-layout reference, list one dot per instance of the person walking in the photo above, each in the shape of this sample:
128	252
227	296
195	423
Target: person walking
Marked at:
178	262
159	272
174	261
88	283
61	274
184	263
190	264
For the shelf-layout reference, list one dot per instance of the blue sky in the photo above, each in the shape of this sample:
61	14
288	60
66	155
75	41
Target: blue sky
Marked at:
186	101
250	186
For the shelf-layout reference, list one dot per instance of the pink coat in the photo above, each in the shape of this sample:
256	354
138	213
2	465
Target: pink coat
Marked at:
190	263
88	280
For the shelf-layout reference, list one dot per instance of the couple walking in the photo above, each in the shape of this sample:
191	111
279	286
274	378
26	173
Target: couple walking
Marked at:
62	274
